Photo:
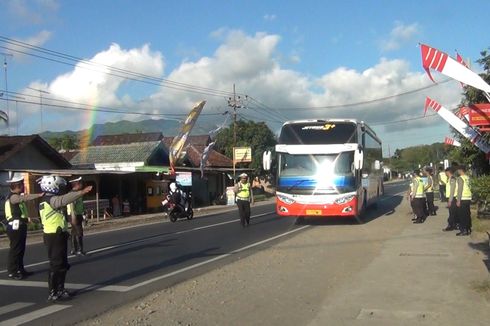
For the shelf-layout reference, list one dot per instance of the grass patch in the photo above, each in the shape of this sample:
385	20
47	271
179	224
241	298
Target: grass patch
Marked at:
479	224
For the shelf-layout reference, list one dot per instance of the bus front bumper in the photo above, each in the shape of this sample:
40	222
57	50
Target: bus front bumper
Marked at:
348	209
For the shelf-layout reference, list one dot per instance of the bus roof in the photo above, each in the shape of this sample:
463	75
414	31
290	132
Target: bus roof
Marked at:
330	120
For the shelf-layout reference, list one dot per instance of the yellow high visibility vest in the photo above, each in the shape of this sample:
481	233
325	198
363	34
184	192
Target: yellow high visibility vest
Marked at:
466	188
51	218
431	181
443	179
244	192
419	192
448	188
15	211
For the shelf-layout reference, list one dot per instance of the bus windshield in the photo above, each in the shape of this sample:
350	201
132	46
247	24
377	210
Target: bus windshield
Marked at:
316	173
318	133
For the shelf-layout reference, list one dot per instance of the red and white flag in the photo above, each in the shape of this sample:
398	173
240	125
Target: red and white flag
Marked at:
452	141
463	113
461	60
443	63
464	129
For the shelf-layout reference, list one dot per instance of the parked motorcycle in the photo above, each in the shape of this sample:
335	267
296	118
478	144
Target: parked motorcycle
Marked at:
179	210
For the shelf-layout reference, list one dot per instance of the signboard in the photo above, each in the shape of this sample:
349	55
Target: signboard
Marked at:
184	179
230	196
242	154
479	114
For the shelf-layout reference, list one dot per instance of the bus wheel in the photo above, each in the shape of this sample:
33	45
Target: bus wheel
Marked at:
359	219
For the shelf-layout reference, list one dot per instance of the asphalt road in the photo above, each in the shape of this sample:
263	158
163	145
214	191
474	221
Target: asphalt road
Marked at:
124	265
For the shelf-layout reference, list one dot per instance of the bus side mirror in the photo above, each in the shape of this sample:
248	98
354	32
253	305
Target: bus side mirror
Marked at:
358	159
267	160
377	165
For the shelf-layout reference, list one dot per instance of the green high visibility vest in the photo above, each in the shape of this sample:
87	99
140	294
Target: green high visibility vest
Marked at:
419	192
244	192
76	206
15	211
466	188
51	218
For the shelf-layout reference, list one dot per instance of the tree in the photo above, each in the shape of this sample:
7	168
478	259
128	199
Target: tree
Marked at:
469	153
66	142
257	135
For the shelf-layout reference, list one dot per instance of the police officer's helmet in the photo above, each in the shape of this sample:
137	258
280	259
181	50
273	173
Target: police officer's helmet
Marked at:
173	187
52	184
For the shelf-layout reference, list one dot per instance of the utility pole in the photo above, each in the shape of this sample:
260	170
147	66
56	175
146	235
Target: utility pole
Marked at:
41	92
235	103
5	55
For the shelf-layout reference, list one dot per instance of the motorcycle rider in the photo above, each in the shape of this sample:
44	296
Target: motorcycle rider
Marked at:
176	196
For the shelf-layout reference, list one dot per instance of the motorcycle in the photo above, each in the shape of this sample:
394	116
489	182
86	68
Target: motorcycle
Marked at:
177	211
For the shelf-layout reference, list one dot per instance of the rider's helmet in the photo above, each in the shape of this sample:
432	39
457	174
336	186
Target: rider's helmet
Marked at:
52	184
173	187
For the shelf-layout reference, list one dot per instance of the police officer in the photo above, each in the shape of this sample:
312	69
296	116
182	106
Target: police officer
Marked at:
463	202
244	197
55	228
451	191
16	215
442	184
429	192
418	197
75	212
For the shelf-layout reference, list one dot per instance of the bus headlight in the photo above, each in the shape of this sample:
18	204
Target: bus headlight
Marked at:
285	199
345	199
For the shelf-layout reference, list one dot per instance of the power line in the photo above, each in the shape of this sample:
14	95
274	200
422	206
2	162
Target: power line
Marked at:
118	72
380	99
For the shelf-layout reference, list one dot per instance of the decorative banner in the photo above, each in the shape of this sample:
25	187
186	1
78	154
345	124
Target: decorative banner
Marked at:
213	133
461	60
204	157
4	116
479	114
465	130
464	113
180	140
442	62
452	141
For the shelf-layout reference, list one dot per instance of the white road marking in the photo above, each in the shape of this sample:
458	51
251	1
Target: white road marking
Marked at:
14	306
33	315
74	286
144	240
161	277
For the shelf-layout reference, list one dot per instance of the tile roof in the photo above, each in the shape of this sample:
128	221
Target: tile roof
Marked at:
134	152
215	159
202	140
10	145
104	140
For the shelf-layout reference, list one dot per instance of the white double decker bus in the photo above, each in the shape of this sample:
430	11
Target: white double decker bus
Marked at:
327	168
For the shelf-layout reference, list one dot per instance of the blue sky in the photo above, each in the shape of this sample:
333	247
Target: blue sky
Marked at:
288	54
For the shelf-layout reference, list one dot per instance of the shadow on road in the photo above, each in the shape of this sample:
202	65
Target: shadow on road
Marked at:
484	247
385	207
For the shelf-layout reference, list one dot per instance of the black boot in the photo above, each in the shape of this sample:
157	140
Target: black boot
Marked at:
52	287
61	292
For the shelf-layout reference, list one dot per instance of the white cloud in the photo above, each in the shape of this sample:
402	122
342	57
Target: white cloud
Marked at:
32	12
251	62
270	17
400	35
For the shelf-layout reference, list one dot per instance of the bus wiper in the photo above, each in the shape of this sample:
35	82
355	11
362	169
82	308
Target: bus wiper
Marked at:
297	183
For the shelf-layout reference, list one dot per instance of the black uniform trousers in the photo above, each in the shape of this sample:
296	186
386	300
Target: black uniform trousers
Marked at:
418	205
244	211
57	247
430	203
442	193
464	214
15	260
77	226
453	218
